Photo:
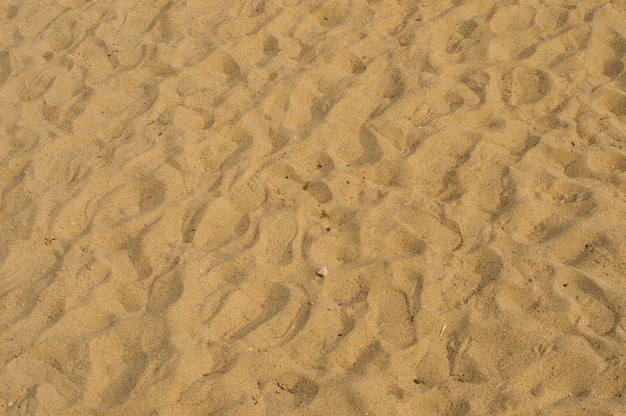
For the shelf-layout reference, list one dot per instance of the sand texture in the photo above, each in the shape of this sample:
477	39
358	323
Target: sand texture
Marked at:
175	175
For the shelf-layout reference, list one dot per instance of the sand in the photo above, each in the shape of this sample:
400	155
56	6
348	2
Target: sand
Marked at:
175	175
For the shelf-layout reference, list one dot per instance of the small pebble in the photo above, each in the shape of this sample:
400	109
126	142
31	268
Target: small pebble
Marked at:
323	272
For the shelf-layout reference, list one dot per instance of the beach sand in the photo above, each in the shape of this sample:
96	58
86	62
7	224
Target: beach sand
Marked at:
174	174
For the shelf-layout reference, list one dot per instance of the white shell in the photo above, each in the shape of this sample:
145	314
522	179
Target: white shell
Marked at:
322	272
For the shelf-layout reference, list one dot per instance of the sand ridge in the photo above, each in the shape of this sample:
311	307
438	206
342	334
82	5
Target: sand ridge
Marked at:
174	173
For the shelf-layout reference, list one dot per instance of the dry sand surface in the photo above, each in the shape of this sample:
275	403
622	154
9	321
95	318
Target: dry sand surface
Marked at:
174	174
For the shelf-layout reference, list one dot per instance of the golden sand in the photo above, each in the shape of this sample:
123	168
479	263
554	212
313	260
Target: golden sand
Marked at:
176	175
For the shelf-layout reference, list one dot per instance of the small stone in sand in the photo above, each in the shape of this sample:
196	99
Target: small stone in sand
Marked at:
323	272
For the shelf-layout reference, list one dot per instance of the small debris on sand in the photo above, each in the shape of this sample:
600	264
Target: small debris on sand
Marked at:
322	272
